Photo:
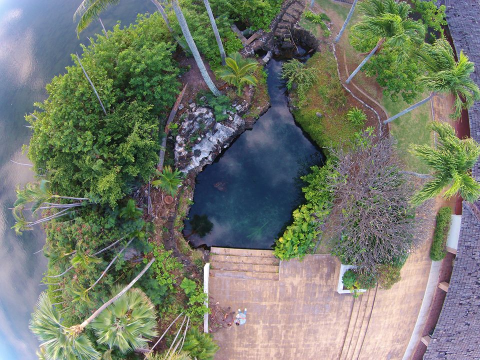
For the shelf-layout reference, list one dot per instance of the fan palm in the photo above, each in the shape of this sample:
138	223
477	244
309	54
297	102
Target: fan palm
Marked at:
238	71
128	324
57	342
445	75
91	9
451	161
386	23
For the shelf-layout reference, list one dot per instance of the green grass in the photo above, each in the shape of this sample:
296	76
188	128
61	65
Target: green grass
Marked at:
328	98
341	10
310	26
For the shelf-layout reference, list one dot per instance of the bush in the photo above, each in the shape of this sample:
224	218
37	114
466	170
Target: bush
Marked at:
86	153
349	279
437	251
366	280
357	117
219	104
297	74
388	275
200	345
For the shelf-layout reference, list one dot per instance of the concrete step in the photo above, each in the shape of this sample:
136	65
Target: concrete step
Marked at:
241	252
244	275
289	18
260	260
231	266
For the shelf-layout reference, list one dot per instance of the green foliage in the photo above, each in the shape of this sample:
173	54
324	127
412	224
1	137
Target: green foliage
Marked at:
189	286
257	14
432	16
169	180
130	211
299	75
238	72
195	307
316	18
357	117
442	226
451	160
366	280
299	237
128	324
166	267
219	104
200	345
86	153
388	275
349	279
57	342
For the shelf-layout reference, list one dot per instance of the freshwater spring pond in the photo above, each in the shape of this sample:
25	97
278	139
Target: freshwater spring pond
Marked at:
249	192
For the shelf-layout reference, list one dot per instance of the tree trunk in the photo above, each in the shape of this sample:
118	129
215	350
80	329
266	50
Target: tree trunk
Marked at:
380	42
91	83
349	16
312	3
79	328
420	176
409	109
215	31
103	27
193	48
161	10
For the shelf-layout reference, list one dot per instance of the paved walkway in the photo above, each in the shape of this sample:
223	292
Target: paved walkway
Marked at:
299	315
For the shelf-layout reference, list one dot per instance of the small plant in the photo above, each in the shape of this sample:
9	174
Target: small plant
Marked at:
297	74
357	117
188	286
238	72
437	251
219	104
316	18
169	180
349	280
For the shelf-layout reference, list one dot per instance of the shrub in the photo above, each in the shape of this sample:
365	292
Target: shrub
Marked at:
366	280
437	251
349	279
219	104
316	18
388	275
357	117
200	345
297	74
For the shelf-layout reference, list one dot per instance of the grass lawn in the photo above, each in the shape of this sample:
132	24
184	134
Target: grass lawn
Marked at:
410	128
327	97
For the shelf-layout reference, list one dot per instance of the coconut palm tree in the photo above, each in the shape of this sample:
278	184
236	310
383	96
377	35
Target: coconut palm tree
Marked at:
91	9
215	30
387	23
347	20
69	343
128	324
451	161
238	71
445	75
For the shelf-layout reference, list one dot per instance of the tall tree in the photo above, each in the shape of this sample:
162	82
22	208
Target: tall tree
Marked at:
445	75
451	161
91	9
386	24
215	30
347	20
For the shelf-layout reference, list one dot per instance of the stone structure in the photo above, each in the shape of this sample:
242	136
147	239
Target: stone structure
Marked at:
457	334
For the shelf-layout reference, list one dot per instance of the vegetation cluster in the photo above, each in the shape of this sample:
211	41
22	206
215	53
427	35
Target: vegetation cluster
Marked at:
442	226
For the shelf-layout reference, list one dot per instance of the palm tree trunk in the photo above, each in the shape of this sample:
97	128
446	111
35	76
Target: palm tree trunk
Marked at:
349	16
161	10
380	42
312	3
215	31
79	328
91	83
409	109
420	176
169	326
103	27
193	48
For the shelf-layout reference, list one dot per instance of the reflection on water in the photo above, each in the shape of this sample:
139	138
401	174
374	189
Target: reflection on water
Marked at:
36	39
250	192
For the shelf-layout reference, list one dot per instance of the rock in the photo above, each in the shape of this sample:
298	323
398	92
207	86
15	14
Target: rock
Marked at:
180	107
319	114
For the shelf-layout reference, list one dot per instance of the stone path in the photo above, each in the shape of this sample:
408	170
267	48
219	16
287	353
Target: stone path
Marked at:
296	313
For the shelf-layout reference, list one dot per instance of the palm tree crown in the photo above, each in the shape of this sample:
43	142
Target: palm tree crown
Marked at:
57	342
128	323
238	71
451	161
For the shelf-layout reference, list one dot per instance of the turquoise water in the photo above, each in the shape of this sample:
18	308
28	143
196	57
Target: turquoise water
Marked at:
36	39
249	193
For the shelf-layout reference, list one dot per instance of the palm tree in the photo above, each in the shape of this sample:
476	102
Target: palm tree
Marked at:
169	180
451	161
56	342
68	343
200	345
349	16
387	22
215	30
128	324
91	9
445	75
238	71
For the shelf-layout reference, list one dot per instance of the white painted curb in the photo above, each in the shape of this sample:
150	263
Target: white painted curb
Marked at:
206	274
343	270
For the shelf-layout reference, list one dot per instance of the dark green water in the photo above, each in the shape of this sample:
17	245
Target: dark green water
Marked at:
249	193
36	39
